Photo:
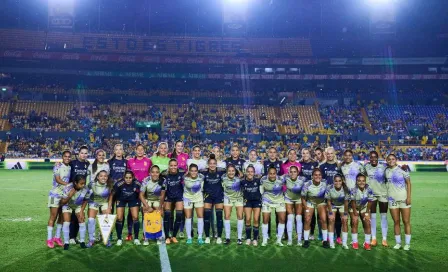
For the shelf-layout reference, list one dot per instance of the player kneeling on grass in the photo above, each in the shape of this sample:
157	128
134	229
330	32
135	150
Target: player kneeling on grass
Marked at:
294	184
127	192
152	195
252	203
313	197
361	198
193	184
100	192
399	196
75	199
337	196
273	198
61	177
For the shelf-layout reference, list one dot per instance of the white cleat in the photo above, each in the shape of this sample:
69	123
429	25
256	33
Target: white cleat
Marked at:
332	246
289	243
255	243
407	247
207	240
264	243
248	242
72	242
311	238
146	243
279	243
219	240
160	240
344	246
119	242
137	242
299	243
397	246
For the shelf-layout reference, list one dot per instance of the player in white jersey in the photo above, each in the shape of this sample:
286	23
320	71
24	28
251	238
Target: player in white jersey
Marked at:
219	156
233	196
193	197
377	182
313	197
100	199
61	177
74	199
258	166
337	196
350	169
294	209
361	198
273	198
399	196
197	159
97	166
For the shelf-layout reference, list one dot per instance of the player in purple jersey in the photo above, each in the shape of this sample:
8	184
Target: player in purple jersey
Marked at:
360	202
117	164
174	191
252	204
235	160
61	177
79	166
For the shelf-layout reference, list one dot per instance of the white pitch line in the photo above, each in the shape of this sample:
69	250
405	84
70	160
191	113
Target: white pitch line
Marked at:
164	259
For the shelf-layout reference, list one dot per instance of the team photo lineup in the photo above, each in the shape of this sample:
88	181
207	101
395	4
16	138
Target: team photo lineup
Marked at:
179	186
223	135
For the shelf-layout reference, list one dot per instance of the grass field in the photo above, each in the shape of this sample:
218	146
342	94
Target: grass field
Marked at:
24	215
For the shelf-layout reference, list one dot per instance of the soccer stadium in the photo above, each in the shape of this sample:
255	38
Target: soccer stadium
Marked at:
223	135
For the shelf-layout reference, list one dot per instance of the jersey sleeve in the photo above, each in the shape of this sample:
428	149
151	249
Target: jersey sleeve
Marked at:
370	196
327	192
56	168
305	189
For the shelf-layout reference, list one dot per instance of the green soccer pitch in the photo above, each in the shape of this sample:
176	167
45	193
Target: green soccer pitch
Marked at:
24	215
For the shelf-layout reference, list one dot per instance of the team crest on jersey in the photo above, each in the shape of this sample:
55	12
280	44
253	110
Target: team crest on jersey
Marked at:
183	158
145	163
256	184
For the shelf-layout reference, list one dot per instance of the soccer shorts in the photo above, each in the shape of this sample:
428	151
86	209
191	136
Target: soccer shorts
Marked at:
153	203
70	209
211	199
314	205
237	202
97	206
129	203
252	204
341	209
380	198
267	207
53	202
174	199
362	210
188	204
398	204
291	201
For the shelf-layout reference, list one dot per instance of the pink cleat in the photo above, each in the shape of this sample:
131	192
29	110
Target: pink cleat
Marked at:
50	243
339	241
58	242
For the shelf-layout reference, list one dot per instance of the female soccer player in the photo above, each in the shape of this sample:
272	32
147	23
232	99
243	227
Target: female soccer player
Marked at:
307	163
117	164
292	160
272	191
376	181
235	159
361	198
272	160
399	196
330	167
97	166
252	204
161	158
174	196
179	154
61	177
213	197
78	166
139	165
337	196
293	201
219	156
233	196
100	199
253	156
313	197
319	155
152	194
197	159
74	199
350	169
127	193
193	197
